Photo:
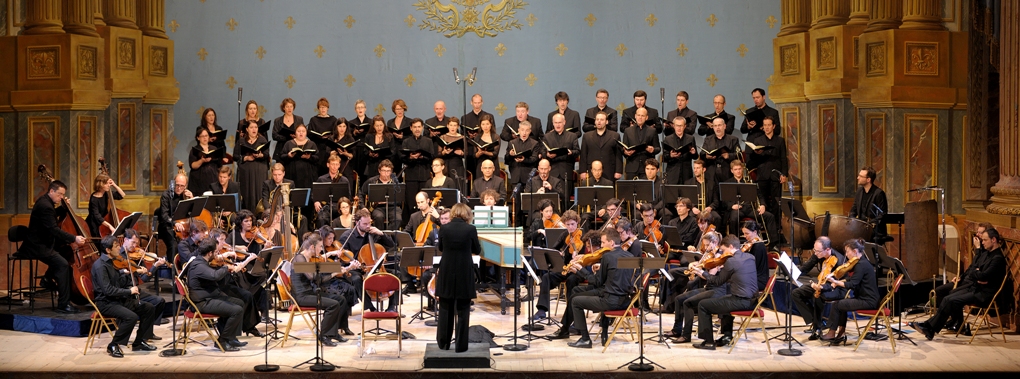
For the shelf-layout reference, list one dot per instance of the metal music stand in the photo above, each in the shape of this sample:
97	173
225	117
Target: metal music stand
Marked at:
529	201
689	191
787	336
270	258
635	189
384	193
898	268
533	279
591	197
450	196
419	257
329	192
546	260
736	193
190	208
318	363
552	237
641	264
300	198
127	223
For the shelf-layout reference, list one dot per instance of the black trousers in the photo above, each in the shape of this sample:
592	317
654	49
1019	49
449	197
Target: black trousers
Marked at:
379	217
128	313
169	242
58	270
687	304
229	310
553	279
332	310
448	309
250	316
158	304
721	306
810	307
770	191
840	307
952	308
594	301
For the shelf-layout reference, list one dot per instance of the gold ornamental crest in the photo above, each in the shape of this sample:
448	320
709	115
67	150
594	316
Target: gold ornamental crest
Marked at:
460	17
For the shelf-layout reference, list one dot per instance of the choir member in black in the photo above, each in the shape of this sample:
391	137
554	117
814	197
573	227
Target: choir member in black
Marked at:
511	126
486	138
361	123
601	145
986	273
283	126
861	282
808	306
708	192
645	137
358	237
251	114
342	136
439	177
44	234
689	115
379	145
572	119
740	276
438	120
320	128
870	203
216	134
544	182
628	237
276	178
724	149
417	152
304	285
719	103
595	178
167	205
751	208
472	121
400	124
601	98
686	224
608	289
629	117
771	164
300	156
380	207
522	155
205	160
685	304
535	235
750	127
252	154
247	281
966	278
561	137
677	159
489	181
225	186
115	296
756	247
99	203
204	283
451	147
552	278
455	282
143	275
332	175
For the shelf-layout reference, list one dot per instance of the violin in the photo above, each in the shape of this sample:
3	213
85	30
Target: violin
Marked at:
653	231
333	250
122	263
553	222
587	259
747	245
716	261
254	235
827	266
574	244
840	271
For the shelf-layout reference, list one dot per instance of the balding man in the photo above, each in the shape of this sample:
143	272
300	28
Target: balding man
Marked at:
719	103
560	138
512	124
595	176
439	120
488	180
543	182
644	140
718	150
167	205
678	151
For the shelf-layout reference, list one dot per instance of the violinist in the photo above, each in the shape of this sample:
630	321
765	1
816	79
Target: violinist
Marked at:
231	285
379	209
340	286
535	236
116	296
864	287
609	213
188	247
739	212
609	288
756	248
364	234
544	182
143	275
167	205
686	303
573	246
489	181
809	306
247	237
681	281
204	290
573	279
629	237
648	228
686	224
99	202
304	287
333	175
738	275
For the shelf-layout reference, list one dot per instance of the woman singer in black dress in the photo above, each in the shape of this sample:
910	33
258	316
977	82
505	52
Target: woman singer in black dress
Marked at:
455	279
302	167
204	167
252	154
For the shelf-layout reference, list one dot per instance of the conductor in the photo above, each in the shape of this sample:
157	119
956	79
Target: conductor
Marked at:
455	280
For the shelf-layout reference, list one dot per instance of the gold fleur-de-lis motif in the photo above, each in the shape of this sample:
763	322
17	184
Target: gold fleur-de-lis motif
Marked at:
260	52
500	109
200	110
202	53
261	112
380	109
651	19
500	49
290	22
319	51
590	20
651	79
173	26
712	20
349	80
231	82
561	49
621	107
591	79
379	50
742	107
771	21
290	81
409	80
410	21
742	49
711	80
681	50
531	19
621	48
531	78
349	21
231	24
439	50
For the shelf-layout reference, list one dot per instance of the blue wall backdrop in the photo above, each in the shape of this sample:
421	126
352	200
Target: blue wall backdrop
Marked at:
346	50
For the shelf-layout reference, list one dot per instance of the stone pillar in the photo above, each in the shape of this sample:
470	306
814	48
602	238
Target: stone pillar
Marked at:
826	13
860	12
121	13
43	17
1006	193
922	15
150	18
796	17
78	18
97	10
885	15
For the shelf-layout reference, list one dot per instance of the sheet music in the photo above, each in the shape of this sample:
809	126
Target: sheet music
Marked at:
787	262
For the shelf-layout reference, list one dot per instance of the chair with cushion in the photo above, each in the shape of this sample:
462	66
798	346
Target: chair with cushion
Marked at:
628	317
193	315
982	317
883	311
382	283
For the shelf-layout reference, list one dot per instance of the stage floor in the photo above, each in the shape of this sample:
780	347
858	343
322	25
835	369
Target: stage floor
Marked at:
32	354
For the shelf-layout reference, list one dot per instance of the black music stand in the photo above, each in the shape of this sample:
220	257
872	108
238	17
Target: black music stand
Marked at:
641	264
671	235
450	196
383	193
737	193
270	258
329	192
190	208
551	236
898	268
419	257
127	223
529	201
533	279
690	191
787	335
547	260
635	189
218	204
592	196
898	219
300	198
318	363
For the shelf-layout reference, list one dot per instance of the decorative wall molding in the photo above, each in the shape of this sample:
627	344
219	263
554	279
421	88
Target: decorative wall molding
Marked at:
126	146
922	58
875	56
42	149
43	62
828	160
790	62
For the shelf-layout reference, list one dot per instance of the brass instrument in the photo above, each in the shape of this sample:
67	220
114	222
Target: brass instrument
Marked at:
701	200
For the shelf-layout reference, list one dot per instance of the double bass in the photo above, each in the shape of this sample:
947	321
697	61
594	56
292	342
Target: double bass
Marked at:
84	255
113	215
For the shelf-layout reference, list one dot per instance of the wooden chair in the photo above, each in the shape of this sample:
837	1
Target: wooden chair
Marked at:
982	317
98	320
758	313
307	313
382	282
627	316
883	311
194	315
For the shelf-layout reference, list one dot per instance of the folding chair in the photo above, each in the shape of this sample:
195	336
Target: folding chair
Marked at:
982	317
884	311
307	313
193	315
95	327
751	314
626	316
382	282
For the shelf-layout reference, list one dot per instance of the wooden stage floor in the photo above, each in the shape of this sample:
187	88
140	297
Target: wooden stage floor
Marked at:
37	355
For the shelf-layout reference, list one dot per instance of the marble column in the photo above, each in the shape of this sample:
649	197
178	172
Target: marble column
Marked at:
826	13
922	15
121	13
796	17
150	18
79	18
43	17
1006	193
884	14
860	12
97	10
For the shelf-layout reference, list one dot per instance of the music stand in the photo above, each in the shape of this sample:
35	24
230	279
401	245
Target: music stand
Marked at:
383	192
636	189
671	235
641	264
270	258
690	191
450	196
791	281
127	223
401	238
898	219
670	195
735	193
898	268
317	268
190	208
547	260
418	257
552	235
329	192
529	201
652	252
533	279
592	196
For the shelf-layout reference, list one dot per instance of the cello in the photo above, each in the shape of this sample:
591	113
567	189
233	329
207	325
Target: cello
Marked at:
113	215
422	233
84	255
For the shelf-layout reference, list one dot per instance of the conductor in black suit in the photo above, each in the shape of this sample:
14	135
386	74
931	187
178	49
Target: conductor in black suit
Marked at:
455	280
43	234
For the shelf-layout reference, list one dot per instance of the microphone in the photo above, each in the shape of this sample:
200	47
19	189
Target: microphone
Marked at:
662	94
532	174
928	188
789	185
239	91
456	77
471	79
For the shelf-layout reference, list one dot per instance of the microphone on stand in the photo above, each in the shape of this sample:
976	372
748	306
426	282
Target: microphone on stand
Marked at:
471	79
239	91
456	77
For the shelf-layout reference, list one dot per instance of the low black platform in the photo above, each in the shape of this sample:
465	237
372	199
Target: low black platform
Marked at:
477	356
45	320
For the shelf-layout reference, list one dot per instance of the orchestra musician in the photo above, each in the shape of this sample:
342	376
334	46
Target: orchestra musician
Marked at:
678	163
870	203
686	224
320	128
630	115
965	278
689	115
861	282
345	214
535	235
453	157
246	238
698	290
651	173
771	164
204	283
131	241
283	126
276	178
167	205
43	236
99	202
353	240
425	210
544	182
709	193
455	281
609	213
596	178
417	153
305	285
725	148
603	146
378	145
643	135
115	296
738	212
484	146
205	160
188	248
378	214
332	175
739	275
756	247
439	178
592	242
562	165
489	181
609	289
707	128
571	119
750	127
628	237
232	286
252	153
522	154
601	106
339	286
809	306
573	246
511	126
225	186
648	228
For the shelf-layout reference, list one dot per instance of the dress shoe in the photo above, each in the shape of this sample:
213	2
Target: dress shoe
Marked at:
391	309
583	343
155	338
114	350
410	289
965	330
560	334
815	335
540	315
255	332
924	329
679	340
237	343
48	284
227	346
346	331
838	340
705	345
67	309
142	346
723	341
326	341
338	338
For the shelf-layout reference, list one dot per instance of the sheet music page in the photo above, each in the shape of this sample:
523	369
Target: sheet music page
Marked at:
787	262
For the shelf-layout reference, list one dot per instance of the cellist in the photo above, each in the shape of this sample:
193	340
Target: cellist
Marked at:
364	234
423	226
167	205
43	235
99	203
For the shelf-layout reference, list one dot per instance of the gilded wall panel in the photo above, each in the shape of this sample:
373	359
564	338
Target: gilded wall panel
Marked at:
921	132
875	124
922	58
43	62
157	149
827	153
126	53
158	60
42	150
86	158
875	56
126	146
87	66
790	59
826	50
791	133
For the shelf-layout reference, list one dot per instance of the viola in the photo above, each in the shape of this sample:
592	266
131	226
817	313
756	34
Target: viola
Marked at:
574	244
838	272
827	266
587	259
553	222
747	245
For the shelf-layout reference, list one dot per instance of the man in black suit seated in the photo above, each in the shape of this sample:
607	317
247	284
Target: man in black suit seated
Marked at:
116	296
168	201
543	182
204	289
740	274
808	306
274	181
363	233
44	234
609	289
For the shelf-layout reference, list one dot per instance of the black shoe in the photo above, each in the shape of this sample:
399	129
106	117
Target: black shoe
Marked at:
705	345
142	346
540	315
809	331
965	330
227	346
67	309
817	334
410	289
326	341
583	343
114	350
236	343
680	340
924	329
574	331
560	334
838	340
255	332
723	341
338	338
391	309
346	331
155	338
